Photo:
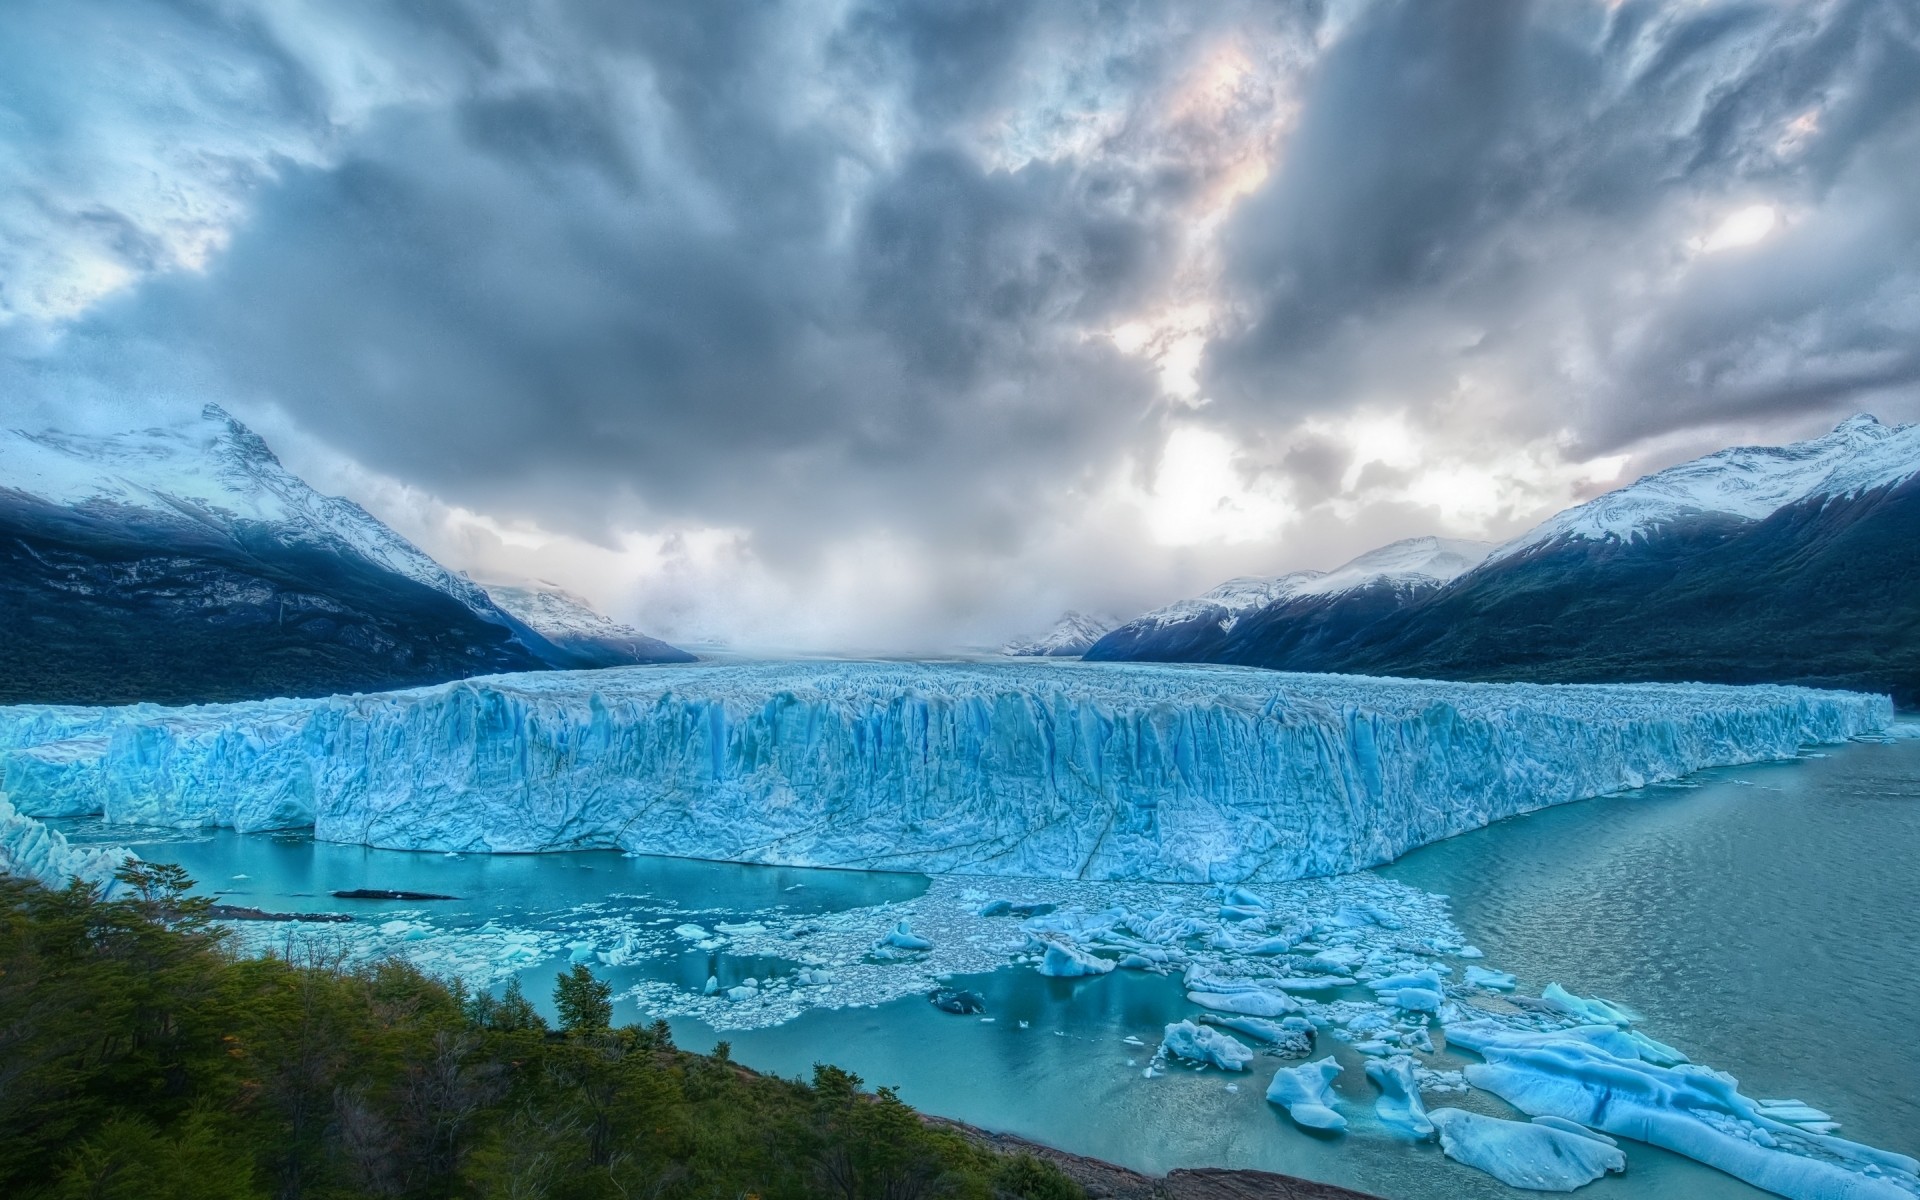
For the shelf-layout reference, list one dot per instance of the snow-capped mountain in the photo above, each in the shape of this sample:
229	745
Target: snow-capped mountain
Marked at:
216	472
1194	630
1071	635
570	623
1748	483
184	563
1797	563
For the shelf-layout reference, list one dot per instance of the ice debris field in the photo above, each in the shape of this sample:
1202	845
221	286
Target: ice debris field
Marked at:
1052	771
1277	977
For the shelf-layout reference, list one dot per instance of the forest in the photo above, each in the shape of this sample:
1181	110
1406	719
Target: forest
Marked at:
142	1059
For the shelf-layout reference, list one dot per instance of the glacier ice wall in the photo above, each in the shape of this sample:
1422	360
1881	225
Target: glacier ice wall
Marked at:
1090	771
29	849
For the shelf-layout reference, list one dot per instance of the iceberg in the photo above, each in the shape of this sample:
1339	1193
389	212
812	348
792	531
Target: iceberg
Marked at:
1248	1003
1064	960
1306	1092
1399	1104
1292	1038
1594	1075
1524	1154
1204	1045
1169	773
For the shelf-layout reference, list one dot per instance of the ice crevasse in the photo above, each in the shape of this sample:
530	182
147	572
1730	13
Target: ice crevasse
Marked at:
1088	771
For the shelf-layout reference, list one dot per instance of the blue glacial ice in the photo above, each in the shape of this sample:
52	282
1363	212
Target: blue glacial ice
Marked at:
1204	1045
1306	1092
1595	1075
1525	1154
31	850
1399	1105
1085	771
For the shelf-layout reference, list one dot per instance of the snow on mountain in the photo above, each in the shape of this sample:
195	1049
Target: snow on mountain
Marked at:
1070	635
214	471
1748	482
1418	560
569	622
555	612
1064	771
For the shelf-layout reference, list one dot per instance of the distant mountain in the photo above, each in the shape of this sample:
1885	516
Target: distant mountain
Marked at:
1794	564
572	625
1072	634
184	564
1325	608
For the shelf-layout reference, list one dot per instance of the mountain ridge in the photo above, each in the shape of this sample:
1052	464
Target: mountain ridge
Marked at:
1793	564
183	563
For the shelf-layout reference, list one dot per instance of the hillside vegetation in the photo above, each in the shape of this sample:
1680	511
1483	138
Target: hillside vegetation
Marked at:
140	1060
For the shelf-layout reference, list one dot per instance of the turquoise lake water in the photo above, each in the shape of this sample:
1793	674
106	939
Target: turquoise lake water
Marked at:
1765	920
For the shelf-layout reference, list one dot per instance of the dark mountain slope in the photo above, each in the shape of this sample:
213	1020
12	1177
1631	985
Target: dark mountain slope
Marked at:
1824	592
115	606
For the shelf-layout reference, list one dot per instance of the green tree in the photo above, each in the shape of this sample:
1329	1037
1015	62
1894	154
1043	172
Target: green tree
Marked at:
584	1004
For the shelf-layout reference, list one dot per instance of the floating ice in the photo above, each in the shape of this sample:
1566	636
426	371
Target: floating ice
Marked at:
1247	1003
902	938
1593	1075
1096	771
1064	960
1292	1038
1205	1045
1399	1104
1306	1092
1524	1154
1493	981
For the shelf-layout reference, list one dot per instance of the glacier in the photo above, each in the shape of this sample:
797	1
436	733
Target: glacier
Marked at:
1169	773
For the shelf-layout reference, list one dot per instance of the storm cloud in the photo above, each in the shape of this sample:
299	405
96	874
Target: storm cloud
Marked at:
910	323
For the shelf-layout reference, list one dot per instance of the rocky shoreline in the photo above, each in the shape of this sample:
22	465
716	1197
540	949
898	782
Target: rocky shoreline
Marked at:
1107	1181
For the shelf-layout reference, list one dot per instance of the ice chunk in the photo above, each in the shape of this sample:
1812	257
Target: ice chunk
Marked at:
1247	1003
1591	1010
1064	960
902	938
1399	1104
1205	1045
1292	1037
1306	1092
1593	1075
937	767
1524	1154
1427	980
1493	981
1414	1000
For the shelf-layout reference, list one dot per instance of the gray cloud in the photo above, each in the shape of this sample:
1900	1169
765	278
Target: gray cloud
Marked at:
813	272
1520	183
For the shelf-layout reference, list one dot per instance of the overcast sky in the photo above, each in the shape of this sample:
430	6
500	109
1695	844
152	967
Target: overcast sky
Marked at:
910	324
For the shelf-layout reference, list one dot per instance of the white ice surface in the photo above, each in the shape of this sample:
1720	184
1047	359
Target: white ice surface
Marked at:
1524	1154
1399	1104
1204	1045
1594	1075
1089	771
1306	1092
30	850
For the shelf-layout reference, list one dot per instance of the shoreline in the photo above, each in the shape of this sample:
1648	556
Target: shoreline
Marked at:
1108	1181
